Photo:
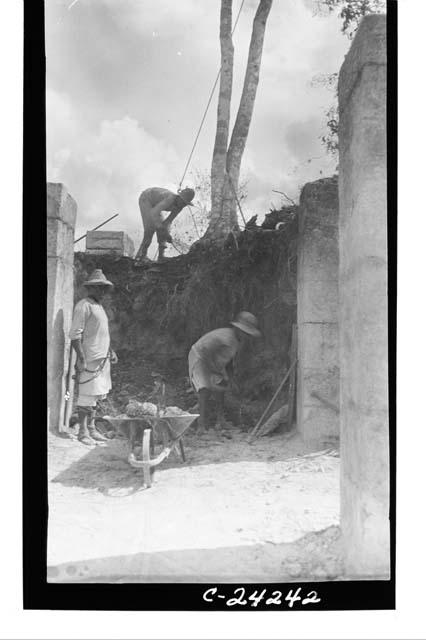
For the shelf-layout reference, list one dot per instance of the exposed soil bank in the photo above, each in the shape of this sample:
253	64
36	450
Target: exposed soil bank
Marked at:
156	313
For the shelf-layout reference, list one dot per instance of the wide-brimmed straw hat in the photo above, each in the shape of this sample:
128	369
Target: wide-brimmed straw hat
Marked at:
187	196
156	374
97	278
248	323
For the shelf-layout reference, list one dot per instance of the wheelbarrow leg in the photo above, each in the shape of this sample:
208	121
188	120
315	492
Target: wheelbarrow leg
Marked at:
146	457
132	435
182	452
152	443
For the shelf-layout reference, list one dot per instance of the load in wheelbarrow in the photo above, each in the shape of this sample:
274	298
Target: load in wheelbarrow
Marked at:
145	432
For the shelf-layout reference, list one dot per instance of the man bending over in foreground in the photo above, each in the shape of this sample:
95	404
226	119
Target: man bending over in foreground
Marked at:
210	362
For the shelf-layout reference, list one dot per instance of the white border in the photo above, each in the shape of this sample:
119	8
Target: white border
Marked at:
409	621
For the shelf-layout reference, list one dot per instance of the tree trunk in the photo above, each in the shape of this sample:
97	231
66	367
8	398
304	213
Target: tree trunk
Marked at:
245	111
218	167
226	164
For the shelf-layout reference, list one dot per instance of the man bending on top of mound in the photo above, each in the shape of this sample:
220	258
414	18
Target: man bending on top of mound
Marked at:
152	203
210	362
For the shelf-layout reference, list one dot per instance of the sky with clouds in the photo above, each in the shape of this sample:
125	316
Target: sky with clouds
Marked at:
127	84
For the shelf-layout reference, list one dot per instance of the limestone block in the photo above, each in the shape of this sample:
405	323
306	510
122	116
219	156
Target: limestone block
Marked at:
60	239
318	303
317	309
61	215
368	47
320	425
319	203
116	242
318	254
363	303
318	345
60	204
325	382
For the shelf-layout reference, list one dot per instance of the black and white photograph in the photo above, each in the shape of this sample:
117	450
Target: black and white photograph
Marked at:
218	320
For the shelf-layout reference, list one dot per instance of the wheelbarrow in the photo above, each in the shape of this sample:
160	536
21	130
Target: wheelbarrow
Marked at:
149	430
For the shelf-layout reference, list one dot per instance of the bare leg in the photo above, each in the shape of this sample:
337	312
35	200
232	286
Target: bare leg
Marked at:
146	242
161	245
93	432
83	431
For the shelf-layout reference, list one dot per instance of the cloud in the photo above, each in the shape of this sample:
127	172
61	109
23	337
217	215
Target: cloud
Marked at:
302	138
106	171
123	107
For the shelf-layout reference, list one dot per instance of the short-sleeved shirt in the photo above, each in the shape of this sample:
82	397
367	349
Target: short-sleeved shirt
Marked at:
90	325
217	348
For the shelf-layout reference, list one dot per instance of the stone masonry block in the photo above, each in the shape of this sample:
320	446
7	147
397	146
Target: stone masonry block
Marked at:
60	240
317	309
324	382
318	255
60	204
320	425
116	242
319	203
318	345
61	215
363	303
318	302
368	47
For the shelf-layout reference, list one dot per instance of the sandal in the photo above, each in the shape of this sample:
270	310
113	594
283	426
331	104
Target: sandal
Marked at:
87	440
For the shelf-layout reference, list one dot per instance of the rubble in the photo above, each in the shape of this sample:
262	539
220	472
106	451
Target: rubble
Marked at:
135	409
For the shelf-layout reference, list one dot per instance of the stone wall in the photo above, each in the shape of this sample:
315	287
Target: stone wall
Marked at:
317	313
363	303
61	215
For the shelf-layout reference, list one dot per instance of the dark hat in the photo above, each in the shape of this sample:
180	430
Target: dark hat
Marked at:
155	374
97	278
248	323
187	196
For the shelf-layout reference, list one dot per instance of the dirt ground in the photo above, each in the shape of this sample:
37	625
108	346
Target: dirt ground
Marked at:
233	512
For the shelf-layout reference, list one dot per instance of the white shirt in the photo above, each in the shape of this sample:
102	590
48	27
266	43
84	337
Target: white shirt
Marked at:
90	325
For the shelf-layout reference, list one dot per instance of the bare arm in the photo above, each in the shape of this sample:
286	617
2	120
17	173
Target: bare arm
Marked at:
176	209
80	316
166	204
81	358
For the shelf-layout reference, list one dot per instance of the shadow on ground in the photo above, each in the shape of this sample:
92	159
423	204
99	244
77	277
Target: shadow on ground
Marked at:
315	556
106	469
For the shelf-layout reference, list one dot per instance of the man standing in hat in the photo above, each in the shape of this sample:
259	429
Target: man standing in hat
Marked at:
152	203
210	362
90	339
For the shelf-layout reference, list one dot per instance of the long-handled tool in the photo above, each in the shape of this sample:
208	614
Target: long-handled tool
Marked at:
95	228
274	397
69	394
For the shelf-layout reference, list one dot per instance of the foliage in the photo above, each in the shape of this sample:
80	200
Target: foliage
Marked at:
330	138
197	218
351	12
